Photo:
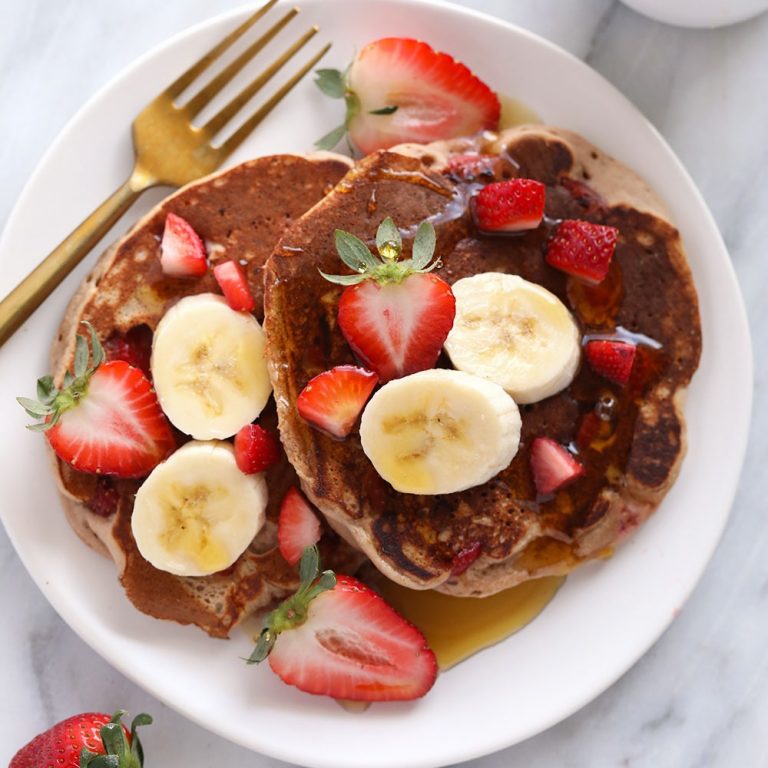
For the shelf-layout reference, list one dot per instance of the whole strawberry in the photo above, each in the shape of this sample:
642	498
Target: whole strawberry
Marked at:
92	740
394	314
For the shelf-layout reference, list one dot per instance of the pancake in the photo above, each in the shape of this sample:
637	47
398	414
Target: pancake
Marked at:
240	214
649	297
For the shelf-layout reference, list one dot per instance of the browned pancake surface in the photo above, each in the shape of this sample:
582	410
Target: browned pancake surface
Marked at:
240	214
418	540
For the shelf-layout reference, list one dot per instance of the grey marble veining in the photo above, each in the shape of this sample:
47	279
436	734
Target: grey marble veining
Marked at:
700	696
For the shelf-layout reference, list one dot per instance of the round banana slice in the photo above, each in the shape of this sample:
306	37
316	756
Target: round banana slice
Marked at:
440	431
514	333
209	368
197	512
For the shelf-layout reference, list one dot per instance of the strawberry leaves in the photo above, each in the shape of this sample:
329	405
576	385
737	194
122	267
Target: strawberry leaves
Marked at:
52	402
121	752
332	82
293	612
388	267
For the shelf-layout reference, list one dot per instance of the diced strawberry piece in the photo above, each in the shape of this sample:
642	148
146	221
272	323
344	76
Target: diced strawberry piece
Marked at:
353	645
234	285
182	253
397	328
470	167
105	498
434	96
611	359
464	558
582	249
334	399
552	465
117	427
135	347
297	526
256	449
510	206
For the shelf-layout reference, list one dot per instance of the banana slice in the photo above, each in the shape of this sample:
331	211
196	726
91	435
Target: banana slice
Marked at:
514	333
209	368
440	431
197	512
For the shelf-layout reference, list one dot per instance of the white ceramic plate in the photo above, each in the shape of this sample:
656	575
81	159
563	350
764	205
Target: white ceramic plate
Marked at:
605	617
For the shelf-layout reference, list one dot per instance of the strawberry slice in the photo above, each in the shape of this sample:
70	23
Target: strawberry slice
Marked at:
105	419
394	314
611	359
336	637
552	465
182	253
582	249
134	346
510	206
256	450
297	526
234	285
400	90
333	400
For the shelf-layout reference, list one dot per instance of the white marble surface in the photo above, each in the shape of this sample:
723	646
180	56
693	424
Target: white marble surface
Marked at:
700	696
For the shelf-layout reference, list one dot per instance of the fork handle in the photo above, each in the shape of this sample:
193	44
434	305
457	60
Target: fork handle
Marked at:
30	293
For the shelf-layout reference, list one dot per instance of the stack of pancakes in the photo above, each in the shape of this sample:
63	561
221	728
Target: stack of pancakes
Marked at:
278	215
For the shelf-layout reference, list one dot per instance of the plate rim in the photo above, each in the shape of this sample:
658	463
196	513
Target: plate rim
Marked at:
67	612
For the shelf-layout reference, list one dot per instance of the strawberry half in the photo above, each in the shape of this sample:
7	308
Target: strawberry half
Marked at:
333	400
256	450
105	419
510	206
297	526
400	90
395	315
336	637
234	285
611	359
582	249
552	465
84	740
182	253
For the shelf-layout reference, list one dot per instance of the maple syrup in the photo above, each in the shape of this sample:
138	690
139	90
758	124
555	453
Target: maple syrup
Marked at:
514	112
458	627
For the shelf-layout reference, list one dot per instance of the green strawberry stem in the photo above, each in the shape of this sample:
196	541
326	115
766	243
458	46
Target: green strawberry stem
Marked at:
52	402
387	267
292	612
119	752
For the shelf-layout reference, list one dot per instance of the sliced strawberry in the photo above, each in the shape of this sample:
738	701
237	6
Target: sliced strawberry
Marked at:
470	167
105	498
135	347
582	249
394	314
510	206
297	526
402	90
256	449
552	465
333	399
611	359
397	328
234	285
106	419
465	557
182	253
336	637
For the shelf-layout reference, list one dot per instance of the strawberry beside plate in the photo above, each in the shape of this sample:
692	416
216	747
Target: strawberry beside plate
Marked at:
569	654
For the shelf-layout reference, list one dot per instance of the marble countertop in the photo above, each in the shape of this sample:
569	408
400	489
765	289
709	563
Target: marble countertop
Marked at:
700	695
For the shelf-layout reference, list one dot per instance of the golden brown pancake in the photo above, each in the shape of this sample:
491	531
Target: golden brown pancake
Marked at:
240	214
631	458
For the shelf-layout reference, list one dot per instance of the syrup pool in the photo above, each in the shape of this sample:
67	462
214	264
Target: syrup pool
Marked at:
458	627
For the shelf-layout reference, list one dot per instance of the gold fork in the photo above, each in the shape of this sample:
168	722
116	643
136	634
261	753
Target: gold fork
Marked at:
169	151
